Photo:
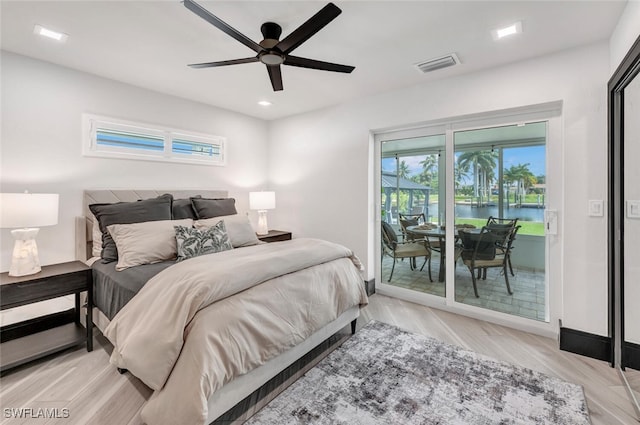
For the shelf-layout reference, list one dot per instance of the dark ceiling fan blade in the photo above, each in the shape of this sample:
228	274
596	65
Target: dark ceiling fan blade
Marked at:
310	27
221	25
315	64
275	76
222	63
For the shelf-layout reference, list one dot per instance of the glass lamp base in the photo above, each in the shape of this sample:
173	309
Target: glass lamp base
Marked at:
263	229
24	260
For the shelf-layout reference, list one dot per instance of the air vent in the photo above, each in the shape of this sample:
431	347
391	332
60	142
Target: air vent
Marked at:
438	63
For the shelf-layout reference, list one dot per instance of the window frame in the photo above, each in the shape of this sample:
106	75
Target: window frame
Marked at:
91	123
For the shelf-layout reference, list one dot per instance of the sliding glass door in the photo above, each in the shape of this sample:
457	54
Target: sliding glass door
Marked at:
500	175
436	182
413	209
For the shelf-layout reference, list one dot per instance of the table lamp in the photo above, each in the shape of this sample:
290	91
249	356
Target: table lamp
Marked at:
262	201
25	212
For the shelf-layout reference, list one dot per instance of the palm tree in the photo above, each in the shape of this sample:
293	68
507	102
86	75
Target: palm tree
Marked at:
510	176
528	179
484	164
429	166
403	170
459	174
521	175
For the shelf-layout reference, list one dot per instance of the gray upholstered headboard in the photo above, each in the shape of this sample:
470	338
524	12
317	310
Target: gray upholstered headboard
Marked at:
84	224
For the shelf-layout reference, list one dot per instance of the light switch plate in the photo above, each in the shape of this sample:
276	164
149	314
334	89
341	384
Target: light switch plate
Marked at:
596	208
633	209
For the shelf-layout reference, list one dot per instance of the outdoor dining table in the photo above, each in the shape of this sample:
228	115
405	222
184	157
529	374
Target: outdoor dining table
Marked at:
436	232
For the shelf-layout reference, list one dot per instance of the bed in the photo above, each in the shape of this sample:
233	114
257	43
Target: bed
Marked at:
206	332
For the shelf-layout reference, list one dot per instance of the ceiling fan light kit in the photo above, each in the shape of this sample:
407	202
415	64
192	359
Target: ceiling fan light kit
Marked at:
272	51
271	58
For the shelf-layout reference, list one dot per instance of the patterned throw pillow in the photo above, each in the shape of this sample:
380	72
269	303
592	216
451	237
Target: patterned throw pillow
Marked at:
194	242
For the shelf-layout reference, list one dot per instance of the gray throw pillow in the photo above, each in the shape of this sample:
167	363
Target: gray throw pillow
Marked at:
182	208
192	242
208	208
127	213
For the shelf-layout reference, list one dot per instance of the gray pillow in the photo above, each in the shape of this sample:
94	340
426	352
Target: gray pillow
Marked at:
192	242
208	208
182	208
238	227
126	213
146	243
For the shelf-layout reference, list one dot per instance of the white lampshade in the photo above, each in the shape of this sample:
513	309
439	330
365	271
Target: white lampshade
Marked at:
25	212
262	200
21	210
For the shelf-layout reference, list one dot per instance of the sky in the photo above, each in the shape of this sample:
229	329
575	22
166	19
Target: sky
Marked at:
533	155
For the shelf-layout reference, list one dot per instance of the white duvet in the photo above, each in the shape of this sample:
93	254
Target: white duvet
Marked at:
201	322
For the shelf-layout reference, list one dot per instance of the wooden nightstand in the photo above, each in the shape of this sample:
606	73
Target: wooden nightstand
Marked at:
275	236
35	338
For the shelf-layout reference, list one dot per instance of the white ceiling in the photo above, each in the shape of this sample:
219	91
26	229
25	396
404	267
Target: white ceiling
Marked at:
149	43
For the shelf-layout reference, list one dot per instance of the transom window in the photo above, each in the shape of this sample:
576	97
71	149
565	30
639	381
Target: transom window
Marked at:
114	138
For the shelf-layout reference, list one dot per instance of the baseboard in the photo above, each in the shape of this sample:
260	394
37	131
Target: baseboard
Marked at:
370	286
631	355
38	324
586	344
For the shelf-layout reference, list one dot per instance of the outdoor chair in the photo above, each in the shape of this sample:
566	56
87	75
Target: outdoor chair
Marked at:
500	223
500	220
395	249
407	220
414	220
487	249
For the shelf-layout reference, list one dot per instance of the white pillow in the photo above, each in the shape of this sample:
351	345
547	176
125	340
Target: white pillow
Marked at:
146	243
96	236
239	229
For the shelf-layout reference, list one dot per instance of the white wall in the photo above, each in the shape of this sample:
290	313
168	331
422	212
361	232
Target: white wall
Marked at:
625	34
319	162
42	105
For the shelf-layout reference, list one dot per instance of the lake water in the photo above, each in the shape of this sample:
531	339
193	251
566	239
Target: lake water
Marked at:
523	213
467	211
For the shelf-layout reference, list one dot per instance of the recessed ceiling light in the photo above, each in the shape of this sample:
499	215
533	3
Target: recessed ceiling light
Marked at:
515	28
264	103
45	32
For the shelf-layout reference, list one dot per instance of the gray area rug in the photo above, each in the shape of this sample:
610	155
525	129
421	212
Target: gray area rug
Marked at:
384	375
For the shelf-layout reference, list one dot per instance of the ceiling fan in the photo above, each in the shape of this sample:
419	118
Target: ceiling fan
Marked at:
272	51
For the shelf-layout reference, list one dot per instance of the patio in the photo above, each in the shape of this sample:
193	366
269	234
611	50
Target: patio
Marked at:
528	299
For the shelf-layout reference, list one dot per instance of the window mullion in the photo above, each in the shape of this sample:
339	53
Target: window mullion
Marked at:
168	142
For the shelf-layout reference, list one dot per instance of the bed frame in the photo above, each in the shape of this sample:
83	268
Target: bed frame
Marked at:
240	388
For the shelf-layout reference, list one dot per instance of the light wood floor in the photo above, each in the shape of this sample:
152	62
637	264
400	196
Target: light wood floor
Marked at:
95	393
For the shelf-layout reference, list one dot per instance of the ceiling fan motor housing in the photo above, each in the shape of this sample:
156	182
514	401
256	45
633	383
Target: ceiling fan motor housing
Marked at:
271	33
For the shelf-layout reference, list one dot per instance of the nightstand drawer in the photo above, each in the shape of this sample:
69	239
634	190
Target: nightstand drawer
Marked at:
39	290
